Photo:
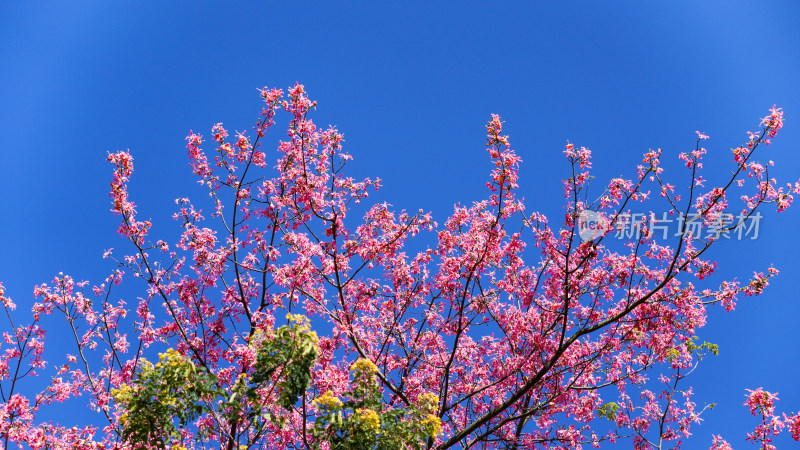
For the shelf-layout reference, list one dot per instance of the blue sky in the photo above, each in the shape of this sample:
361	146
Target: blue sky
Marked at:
411	85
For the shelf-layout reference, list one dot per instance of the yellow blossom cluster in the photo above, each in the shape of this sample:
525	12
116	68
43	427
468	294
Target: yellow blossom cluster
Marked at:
123	393
368	420
363	367
122	396
327	400
302	325
431	424
170	357
428	402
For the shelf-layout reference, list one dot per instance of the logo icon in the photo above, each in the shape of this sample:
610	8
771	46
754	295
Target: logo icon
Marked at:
591	225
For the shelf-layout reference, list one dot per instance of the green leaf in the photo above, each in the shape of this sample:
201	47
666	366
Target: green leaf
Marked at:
608	410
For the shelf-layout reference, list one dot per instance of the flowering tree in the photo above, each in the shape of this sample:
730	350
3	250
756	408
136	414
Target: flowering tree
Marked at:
290	322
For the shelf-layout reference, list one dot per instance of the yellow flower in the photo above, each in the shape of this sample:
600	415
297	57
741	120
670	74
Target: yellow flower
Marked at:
328	401
170	355
364	367
122	394
256	338
431	424
296	318
368	420
299	320
428	402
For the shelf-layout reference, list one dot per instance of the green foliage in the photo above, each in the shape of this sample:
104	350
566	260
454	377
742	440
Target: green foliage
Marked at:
359	422
291	352
164	397
608	410
700	350
173	390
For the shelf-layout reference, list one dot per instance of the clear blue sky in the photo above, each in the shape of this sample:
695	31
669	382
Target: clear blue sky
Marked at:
411	85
